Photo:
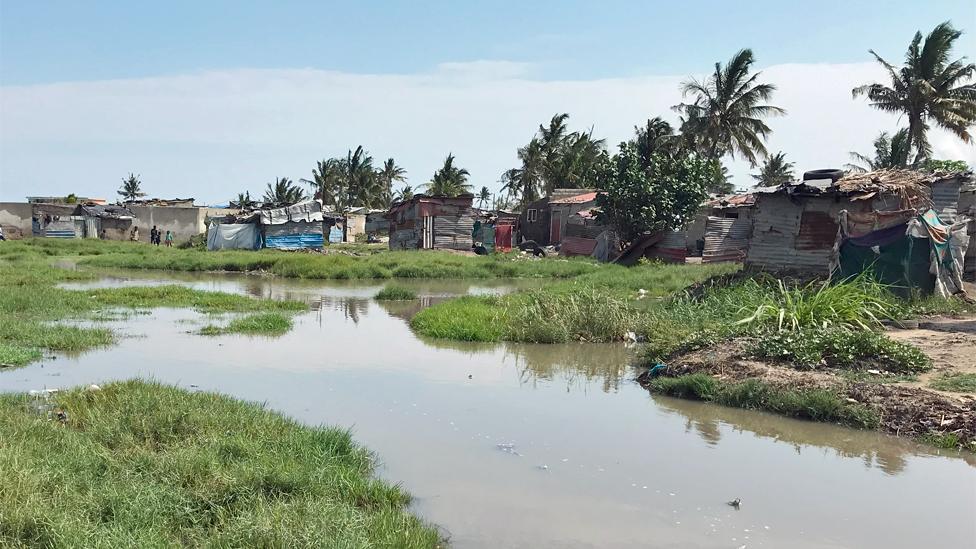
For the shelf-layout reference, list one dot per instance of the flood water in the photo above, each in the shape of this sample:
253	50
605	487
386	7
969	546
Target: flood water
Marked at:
542	446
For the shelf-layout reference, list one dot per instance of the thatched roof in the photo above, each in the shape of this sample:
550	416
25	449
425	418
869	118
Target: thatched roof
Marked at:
894	180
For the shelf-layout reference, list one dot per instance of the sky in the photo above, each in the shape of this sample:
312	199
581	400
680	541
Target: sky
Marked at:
209	99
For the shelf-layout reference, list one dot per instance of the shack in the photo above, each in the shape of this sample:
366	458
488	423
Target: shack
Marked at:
106	221
432	222
377	225
56	221
821	224
544	221
294	227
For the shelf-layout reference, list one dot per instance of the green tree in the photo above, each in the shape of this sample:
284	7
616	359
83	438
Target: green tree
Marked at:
524	184
72	198
656	136
327	183
389	173
666	195
484	197
775	171
928	89
449	180
403	194
726	115
131	188
946	166
889	152
284	193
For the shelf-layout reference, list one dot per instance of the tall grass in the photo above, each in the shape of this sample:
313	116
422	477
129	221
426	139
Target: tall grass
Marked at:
394	292
138	464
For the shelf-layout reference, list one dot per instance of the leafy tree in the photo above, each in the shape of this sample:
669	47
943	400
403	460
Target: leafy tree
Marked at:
775	171
352	181
131	188
403	194
244	201
932	165
726	116
484	197
72	198
284	193
927	89
721	182
449	180
665	195
327	182
889	152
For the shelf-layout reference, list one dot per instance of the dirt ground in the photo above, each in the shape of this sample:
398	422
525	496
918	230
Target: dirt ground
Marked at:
906	409
949	342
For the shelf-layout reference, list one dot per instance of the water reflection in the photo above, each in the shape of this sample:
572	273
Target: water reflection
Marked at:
887	453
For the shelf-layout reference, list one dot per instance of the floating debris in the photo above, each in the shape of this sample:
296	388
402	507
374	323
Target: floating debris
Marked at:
735	503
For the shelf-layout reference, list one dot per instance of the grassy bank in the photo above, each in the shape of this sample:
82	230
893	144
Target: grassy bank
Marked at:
604	305
138	464
395	293
331	265
36	315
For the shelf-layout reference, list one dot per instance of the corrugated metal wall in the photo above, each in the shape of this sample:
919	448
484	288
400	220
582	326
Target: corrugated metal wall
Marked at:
726	239
945	199
776	225
294	235
453	233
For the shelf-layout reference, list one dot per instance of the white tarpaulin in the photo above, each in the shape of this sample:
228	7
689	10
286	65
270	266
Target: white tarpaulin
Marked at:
245	236
303	211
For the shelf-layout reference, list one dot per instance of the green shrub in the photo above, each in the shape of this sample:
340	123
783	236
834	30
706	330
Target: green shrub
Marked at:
395	293
840	348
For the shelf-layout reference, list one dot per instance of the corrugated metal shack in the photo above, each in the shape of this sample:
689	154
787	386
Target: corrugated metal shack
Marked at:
728	227
734	206
432	222
106	221
294	227
795	226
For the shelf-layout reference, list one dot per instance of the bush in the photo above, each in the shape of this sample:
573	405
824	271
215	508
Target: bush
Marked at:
841	348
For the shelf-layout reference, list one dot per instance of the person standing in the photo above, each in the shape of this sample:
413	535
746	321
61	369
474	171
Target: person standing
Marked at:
169	239
154	236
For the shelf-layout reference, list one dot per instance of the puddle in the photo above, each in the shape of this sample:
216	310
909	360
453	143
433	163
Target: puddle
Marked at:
542	446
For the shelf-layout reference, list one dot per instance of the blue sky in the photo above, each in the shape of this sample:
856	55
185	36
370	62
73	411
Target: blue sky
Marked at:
147	59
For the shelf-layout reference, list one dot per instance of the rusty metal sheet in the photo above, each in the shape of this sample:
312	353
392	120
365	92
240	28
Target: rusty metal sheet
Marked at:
818	230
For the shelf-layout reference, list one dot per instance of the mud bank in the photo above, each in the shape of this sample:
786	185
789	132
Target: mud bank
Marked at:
901	409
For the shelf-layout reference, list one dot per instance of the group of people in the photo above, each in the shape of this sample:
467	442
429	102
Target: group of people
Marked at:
155	235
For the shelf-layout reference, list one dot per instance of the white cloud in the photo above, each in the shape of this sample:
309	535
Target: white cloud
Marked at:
213	134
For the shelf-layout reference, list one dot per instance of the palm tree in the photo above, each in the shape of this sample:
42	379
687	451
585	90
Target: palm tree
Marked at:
655	137
327	183
389	173
889	152
244	201
523	183
928	88
284	193
449	180
775	171
726	115
131	188
484	197
403	194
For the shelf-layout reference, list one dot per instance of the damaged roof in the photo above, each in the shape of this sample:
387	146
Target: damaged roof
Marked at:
578	199
106	211
899	181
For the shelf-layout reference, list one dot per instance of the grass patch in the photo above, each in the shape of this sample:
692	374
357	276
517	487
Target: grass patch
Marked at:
752	394
956	383
34	310
144	465
394	292
841	348
265	324
468	318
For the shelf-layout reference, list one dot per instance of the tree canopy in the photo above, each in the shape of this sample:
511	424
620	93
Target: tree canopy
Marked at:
775	171
283	192
449	180
927	89
131	188
352	181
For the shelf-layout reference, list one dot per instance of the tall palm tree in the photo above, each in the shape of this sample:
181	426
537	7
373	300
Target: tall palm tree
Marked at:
656	136
889	152
928	88
484	197
449	180
327	183
524	183
389	173
775	171
284	193
131	188
726	116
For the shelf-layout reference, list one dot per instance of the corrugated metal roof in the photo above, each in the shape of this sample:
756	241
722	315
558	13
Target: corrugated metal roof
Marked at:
578	199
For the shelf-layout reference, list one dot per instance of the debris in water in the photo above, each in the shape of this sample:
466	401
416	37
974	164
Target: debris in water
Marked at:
508	448
565	460
735	503
542	467
470	376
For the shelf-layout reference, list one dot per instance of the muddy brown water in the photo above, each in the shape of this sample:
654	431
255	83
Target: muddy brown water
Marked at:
542	446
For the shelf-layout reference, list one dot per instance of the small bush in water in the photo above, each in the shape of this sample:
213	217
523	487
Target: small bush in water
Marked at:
841	348
395	293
